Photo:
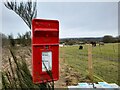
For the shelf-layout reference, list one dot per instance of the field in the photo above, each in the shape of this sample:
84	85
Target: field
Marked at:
105	61
74	63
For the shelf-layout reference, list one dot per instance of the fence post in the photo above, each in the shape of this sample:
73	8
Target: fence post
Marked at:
90	65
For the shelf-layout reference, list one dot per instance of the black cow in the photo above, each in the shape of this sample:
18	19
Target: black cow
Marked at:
80	47
93	44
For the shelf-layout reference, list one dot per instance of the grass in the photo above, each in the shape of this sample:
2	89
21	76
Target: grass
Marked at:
18	76
105	60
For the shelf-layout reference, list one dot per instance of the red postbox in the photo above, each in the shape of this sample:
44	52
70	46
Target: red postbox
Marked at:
45	50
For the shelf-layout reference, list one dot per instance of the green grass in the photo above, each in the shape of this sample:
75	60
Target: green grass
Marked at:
105	60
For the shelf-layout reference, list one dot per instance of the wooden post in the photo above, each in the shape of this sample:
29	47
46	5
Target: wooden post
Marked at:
90	66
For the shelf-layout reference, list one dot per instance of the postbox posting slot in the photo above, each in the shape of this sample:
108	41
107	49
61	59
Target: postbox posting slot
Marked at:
46	32
45	29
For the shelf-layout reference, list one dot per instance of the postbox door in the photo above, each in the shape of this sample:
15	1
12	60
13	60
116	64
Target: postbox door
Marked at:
45	50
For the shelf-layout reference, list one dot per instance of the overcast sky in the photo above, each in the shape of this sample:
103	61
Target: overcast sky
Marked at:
77	19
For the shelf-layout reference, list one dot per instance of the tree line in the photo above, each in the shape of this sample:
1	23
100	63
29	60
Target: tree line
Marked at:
104	39
25	40
21	40
111	39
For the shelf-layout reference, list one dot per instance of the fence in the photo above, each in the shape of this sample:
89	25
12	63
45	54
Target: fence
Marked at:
104	60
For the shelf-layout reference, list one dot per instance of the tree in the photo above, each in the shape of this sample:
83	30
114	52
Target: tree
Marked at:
26	10
108	39
118	38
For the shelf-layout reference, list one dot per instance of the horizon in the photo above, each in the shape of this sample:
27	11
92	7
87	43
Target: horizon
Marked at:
69	37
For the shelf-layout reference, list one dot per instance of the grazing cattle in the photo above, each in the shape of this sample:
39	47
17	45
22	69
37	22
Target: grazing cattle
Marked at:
93	44
80	47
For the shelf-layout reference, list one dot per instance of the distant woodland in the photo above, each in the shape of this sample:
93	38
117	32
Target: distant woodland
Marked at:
25	40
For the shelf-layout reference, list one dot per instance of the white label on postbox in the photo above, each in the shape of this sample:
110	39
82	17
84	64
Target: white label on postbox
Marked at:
46	61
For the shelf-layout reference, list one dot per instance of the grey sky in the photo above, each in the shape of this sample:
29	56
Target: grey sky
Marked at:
77	19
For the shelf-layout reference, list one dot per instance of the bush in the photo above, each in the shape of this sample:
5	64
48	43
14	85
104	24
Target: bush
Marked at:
18	76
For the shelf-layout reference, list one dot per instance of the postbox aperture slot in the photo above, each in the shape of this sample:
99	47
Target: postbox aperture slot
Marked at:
45	29
46	61
39	33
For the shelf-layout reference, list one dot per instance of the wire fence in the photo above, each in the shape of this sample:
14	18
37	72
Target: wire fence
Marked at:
105	62
104	58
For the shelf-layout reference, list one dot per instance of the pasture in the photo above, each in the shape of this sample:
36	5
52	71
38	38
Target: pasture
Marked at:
105	61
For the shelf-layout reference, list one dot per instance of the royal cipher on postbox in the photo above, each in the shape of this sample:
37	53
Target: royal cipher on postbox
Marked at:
45	50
